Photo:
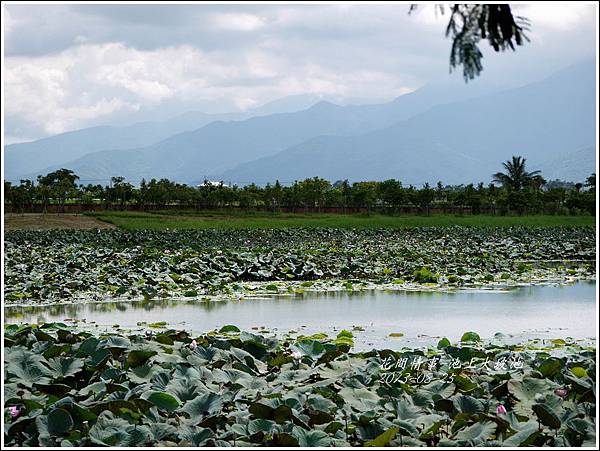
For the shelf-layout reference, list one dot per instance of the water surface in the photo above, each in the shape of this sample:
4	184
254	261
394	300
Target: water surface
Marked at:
522	313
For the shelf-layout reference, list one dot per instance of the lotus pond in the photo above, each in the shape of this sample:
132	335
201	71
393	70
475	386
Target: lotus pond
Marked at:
451	336
68	266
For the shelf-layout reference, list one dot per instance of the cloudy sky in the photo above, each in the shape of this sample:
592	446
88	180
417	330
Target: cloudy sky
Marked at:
72	66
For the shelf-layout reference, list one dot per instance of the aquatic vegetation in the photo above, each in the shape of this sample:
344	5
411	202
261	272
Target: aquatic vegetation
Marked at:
49	266
230	387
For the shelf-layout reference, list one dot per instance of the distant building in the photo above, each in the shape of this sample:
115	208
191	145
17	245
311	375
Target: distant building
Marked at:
207	183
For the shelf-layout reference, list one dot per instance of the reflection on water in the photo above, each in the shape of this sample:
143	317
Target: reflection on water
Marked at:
556	311
89	311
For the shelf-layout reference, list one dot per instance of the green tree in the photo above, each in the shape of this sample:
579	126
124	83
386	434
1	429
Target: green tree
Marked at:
121	190
59	184
424	197
473	198
313	192
273	195
9	195
516	176
590	182
344	193
390	193
28	193
92	193
364	195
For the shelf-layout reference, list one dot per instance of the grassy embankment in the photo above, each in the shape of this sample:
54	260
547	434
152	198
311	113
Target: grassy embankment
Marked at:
259	220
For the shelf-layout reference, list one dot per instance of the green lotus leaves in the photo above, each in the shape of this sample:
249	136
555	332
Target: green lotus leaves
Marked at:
27	367
550	367
477	433
580	425
443	343
579	371
546	415
311	348
229	329
524	437
139	357
59	422
98	358
424	275
260	410
196	263
284	439
64	367
262	425
162	400
383	439
220	393
115	342
87	347
311	438
205	404
468	405
344	338
526	390
470	337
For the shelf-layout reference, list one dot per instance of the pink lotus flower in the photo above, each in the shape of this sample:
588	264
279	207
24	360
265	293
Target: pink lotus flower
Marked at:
562	392
14	411
193	344
500	409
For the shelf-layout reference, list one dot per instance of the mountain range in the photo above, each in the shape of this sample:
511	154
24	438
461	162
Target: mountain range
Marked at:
456	134
546	122
31	158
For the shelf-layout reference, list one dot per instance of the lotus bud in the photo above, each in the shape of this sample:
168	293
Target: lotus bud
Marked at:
193	344
500	409
562	392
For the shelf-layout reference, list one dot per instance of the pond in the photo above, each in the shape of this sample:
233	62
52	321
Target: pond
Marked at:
542	311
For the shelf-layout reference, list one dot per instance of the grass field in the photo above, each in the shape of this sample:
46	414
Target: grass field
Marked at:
262	220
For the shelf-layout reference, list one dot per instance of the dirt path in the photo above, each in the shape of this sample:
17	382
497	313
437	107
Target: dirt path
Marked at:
35	221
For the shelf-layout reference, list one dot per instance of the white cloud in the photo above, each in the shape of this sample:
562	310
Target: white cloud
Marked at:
62	91
432	15
67	67
8	20
554	16
237	22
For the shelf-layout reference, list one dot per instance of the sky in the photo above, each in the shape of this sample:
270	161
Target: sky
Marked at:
72	66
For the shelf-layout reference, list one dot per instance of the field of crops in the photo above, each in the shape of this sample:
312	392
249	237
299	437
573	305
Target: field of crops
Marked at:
230	387
65	266
231	219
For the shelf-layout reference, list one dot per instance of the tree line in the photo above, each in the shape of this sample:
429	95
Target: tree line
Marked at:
513	190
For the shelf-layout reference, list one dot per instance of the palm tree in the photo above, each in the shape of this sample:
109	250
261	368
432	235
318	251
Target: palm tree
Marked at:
537	182
516	177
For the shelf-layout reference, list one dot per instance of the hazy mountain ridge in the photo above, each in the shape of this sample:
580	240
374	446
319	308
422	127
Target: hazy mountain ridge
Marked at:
455	143
27	159
573	166
456	134
221	145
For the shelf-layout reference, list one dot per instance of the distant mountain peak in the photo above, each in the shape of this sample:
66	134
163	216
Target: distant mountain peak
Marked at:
324	105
